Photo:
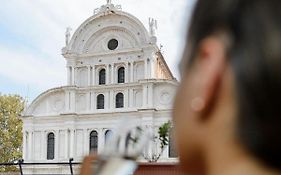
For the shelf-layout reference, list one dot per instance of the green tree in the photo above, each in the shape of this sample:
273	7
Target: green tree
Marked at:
11	107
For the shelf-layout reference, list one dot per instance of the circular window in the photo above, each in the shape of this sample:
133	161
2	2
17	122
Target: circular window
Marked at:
112	44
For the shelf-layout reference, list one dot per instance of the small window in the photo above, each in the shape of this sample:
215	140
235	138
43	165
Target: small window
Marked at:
100	101
51	146
108	135
112	44
119	103
121	75
94	141
102	77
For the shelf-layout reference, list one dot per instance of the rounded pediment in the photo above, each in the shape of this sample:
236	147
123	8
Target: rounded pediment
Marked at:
98	32
51	102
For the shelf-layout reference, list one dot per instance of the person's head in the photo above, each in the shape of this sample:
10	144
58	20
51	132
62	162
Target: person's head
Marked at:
230	92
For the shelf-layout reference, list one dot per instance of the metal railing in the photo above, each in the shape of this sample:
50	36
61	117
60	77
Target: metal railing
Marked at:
21	162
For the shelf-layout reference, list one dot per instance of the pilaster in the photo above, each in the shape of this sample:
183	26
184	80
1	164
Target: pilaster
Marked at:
107	74
89	75
145	69
132	72
94	75
127	72
73	76
57	141
144	93
68	75
112	74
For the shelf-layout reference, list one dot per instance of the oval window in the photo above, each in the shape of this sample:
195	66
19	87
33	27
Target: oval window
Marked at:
112	44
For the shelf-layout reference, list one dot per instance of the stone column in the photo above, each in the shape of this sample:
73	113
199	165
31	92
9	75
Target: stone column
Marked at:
145	69
148	68
72	101
126	98
86	142
127	73
111	99
89	75
131	98
66	144
94	101
107	74
73	76
67	101
71	146
112	74
68	75
144	94
24	150
30	139
107	100
94	76
32	145
150	95
43	149
75	144
57	142
153	67
45	145
88	102
132	72
100	140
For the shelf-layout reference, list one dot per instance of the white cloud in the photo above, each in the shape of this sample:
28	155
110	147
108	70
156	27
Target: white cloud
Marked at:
27	69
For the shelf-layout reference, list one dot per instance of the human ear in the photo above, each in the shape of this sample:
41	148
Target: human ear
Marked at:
209	68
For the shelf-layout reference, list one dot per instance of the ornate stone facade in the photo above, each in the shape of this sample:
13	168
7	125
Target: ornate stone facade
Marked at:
107	41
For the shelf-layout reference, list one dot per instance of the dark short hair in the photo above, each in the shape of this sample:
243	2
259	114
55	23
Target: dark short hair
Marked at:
254	27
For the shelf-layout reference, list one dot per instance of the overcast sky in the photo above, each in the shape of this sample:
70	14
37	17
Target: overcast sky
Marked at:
32	35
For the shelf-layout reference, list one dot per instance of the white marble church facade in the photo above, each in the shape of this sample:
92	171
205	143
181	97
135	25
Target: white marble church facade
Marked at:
114	70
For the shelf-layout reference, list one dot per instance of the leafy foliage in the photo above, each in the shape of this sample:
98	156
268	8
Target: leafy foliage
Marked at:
163	139
164	132
11	107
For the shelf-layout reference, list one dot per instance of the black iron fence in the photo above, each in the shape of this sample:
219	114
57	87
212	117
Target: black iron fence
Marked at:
20	163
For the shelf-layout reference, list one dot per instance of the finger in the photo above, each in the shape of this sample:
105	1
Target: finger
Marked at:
86	168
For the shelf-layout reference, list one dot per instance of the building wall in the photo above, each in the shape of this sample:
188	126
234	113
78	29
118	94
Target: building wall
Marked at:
72	133
70	112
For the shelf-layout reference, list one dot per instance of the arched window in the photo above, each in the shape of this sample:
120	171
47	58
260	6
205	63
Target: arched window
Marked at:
93	141
172	148
51	146
102	77
119	101
108	135
121	75
100	101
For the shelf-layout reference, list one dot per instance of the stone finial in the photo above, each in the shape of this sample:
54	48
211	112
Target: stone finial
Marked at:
67	35
152	26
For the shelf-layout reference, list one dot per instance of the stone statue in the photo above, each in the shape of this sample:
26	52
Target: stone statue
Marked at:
67	35
152	26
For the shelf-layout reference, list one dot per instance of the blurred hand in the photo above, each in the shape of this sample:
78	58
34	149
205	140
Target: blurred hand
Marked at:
86	168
